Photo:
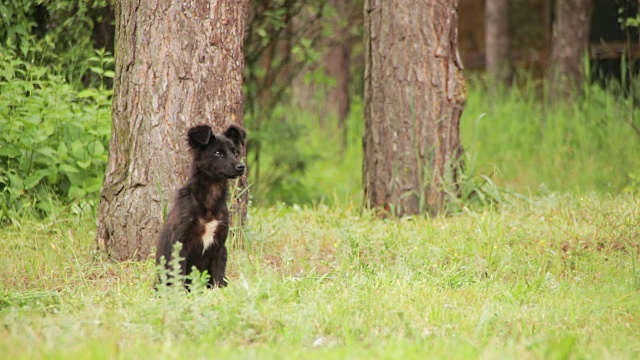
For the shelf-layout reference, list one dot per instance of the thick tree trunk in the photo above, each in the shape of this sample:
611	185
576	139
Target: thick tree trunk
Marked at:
414	96
569	43
177	64
497	40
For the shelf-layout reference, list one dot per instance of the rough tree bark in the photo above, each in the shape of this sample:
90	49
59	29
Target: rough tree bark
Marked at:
569	42
414	96
497	40
178	63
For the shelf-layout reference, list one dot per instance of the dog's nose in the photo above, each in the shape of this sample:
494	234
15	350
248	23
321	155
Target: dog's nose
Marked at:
240	167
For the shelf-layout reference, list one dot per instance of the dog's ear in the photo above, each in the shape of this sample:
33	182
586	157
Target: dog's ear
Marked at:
236	134
199	136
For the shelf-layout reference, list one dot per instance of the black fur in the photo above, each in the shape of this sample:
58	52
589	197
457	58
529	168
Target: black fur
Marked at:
203	199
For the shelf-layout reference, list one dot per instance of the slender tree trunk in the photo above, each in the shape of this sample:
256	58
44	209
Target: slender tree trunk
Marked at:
414	96
177	64
336	63
497	40
569	43
103	28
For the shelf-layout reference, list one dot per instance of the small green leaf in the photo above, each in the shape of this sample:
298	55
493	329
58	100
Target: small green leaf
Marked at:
34	119
77	150
76	192
45	206
87	93
97	70
63	150
9	152
96	148
93	185
15	182
47	151
53	177
84	164
68	168
32	181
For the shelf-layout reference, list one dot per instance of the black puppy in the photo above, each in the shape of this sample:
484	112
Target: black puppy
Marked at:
199	218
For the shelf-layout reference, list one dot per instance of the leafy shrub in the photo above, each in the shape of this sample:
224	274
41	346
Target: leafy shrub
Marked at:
53	137
278	162
61	34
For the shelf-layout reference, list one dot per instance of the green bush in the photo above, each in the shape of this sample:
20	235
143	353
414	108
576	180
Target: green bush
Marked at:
53	137
59	34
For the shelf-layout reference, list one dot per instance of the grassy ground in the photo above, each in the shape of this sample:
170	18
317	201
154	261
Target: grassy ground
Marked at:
555	277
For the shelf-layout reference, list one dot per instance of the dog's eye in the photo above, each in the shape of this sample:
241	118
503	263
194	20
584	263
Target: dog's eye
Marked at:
218	153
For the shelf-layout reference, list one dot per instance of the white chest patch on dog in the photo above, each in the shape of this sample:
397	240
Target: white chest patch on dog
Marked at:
209	233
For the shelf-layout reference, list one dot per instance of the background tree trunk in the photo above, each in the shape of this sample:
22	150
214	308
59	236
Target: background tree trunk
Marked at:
569	43
336	64
497	40
177	64
414	96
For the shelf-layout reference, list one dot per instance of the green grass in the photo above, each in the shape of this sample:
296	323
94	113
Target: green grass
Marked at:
554	277
584	146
